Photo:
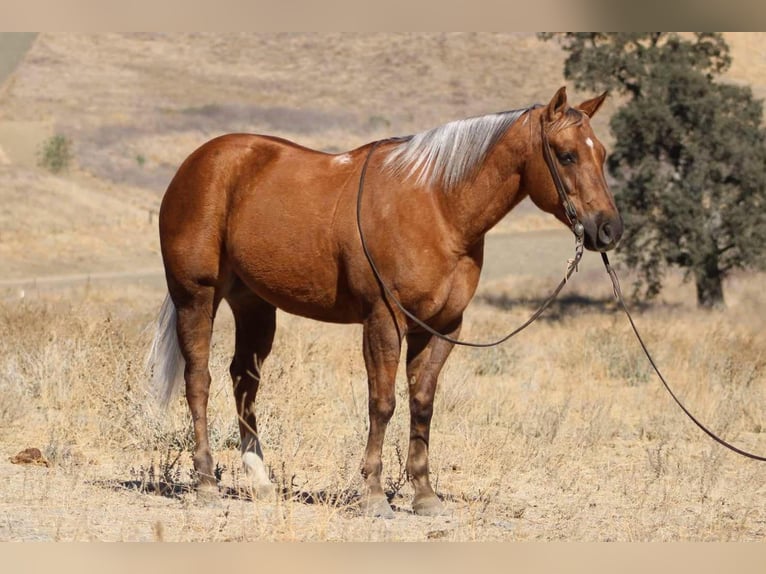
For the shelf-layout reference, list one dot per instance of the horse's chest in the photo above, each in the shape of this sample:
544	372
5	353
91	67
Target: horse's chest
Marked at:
452	293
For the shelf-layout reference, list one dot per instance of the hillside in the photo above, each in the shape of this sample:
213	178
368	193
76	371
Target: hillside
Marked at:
134	105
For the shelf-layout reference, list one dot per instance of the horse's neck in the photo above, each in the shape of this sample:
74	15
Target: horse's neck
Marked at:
478	205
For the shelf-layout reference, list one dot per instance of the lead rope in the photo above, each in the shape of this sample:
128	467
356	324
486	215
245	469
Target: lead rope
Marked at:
572	264
618	294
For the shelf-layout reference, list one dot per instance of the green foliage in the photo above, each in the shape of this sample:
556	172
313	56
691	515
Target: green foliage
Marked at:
55	154
624	61
689	155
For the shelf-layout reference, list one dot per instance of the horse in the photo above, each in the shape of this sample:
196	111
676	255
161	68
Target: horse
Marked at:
267	224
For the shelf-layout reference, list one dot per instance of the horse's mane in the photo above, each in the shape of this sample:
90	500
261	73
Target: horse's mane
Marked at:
449	154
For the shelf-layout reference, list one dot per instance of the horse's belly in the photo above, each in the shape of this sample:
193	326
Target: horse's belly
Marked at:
302	287
321	306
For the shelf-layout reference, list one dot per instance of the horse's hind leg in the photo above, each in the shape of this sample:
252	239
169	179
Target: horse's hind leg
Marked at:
196	306
255	322
426	356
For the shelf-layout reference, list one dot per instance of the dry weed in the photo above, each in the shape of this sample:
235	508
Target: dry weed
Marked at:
561	434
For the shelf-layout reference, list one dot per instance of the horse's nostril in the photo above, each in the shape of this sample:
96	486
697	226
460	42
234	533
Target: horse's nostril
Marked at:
605	234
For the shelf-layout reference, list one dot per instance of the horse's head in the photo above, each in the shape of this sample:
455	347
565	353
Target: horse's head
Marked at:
578	156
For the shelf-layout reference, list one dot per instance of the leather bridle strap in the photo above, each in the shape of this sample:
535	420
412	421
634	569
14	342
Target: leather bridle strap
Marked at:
571	265
618	294
569	209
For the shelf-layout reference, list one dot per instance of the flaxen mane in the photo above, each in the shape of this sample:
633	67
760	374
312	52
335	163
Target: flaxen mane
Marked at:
449	154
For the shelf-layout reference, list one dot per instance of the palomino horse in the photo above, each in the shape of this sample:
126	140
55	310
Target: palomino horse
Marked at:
264	224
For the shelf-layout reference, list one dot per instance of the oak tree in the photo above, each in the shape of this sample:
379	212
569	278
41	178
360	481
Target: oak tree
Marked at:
689	159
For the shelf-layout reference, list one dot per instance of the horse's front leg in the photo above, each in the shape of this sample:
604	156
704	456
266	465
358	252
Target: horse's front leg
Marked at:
426	355
382	347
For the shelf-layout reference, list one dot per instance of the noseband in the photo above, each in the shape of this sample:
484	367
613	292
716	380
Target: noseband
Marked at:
572	264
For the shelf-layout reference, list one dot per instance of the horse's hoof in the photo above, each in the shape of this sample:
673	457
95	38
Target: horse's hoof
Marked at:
264	492
428	506
208	496
376	507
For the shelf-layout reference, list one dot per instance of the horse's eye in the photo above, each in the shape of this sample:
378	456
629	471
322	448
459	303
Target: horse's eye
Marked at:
567	158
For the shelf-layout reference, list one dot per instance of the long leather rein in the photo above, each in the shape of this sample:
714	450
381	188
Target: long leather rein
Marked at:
578	231
618	294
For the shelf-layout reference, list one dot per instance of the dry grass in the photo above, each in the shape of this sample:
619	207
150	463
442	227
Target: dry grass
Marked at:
561	434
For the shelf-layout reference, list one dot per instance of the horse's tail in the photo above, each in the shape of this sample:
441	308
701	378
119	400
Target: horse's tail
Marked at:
164	361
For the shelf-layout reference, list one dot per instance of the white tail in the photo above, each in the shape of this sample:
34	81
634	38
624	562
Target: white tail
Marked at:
164	361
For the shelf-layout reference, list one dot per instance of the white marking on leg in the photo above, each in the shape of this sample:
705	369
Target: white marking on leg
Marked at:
252	460
255	469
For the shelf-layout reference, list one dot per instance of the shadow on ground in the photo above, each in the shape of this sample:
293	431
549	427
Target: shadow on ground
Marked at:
567	306
343	499
564	306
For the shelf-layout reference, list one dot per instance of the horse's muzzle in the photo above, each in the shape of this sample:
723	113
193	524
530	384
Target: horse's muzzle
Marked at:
604	233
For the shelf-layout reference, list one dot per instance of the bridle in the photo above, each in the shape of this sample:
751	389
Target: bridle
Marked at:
579	232
572	264
569	209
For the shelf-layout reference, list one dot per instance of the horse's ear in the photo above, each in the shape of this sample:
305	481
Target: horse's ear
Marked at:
557	105
590	107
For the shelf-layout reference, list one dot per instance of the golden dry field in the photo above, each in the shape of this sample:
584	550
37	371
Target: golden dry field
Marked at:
561	434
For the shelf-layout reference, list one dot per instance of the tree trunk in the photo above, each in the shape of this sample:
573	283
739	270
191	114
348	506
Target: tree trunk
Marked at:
709	280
